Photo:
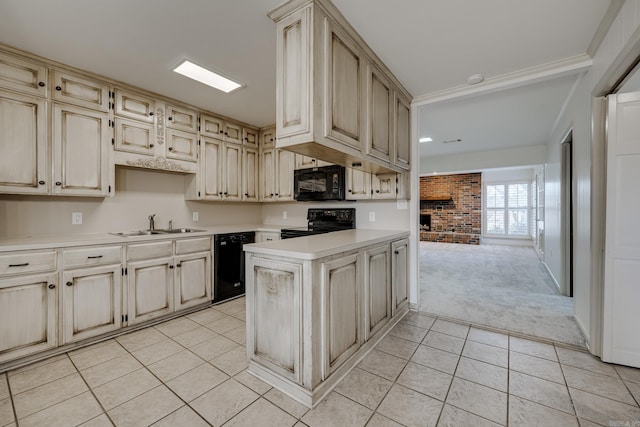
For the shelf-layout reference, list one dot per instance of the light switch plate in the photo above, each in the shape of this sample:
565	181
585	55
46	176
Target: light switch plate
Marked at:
372	216
284	214
76	218
196	216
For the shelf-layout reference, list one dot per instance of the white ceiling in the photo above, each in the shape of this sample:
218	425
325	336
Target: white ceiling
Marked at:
431	45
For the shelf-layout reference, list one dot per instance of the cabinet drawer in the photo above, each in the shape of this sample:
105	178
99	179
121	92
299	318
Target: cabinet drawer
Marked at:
21	75
149	250
188	246
27	262
88	256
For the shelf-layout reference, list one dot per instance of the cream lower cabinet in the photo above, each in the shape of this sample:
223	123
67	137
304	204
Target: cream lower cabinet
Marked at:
267	236
192	272
310	320
150	289
399	274
378	291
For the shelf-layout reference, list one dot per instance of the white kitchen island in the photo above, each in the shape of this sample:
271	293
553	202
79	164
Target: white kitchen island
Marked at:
317	305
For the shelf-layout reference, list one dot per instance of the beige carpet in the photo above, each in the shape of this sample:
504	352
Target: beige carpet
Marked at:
504	287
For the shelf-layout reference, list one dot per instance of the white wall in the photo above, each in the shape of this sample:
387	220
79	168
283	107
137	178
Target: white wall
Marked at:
138	193
622	34
480	160
387	215
508	175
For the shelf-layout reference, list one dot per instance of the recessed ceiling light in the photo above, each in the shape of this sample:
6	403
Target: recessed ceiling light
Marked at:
427	139
208	77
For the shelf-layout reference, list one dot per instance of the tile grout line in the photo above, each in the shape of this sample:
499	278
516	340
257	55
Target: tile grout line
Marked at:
104	411
13	405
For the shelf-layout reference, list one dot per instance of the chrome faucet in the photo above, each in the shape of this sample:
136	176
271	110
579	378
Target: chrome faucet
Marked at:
152	224
170	224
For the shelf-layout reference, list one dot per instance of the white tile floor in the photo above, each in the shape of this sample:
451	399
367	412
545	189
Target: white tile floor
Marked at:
191	371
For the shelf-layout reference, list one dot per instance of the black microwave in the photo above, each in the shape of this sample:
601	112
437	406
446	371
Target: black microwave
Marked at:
324	183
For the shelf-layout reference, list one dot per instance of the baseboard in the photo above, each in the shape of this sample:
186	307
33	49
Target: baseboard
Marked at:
585	333
552	276
506	242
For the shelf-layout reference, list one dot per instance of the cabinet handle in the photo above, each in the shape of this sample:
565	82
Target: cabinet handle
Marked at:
225	193
246	194
24	264
396	252
94	257
41	182
58	88
41	84
58	183
151	113
52	286
150	145
69	284
170	148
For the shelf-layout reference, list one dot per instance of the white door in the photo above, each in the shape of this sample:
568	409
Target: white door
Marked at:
622	242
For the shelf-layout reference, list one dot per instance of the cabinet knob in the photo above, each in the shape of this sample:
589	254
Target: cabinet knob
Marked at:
271	139
170	148
178	265
225	193
377	191
246	139
58	183
171	267
396	252
58	88
151	113
226	134
220	193
313	160
277	194
221	131
69	284
271	194
41	182
41	84
349	190
150	145
246	194
52	286
170	118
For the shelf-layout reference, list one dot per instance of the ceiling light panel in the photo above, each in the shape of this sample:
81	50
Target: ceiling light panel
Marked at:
426	139
207	77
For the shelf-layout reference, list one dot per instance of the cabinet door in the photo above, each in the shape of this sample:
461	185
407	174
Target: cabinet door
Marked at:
250	174
232	133
285	164
383	186
275	316
268	138
193	280
80	91
28	315
250	137
23	144
341	293
181	118
133	136
134	106
399	274
343	86
150	289
21	75
182	145
91	302
379	114
232	170
268	174
210	126
402	143
211	164
81	143
267	236
377	287
305	162
358	184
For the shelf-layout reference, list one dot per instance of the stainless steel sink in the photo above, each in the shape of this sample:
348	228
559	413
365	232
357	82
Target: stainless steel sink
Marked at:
154	232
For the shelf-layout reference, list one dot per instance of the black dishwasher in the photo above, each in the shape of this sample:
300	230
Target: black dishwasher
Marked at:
228	264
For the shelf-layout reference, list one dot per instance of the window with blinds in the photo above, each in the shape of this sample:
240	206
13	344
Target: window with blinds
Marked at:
507	209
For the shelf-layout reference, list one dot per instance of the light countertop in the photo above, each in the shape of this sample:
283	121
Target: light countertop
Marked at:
68	240
322	245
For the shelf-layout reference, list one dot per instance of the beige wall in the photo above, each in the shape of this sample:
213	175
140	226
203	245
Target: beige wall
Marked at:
138	193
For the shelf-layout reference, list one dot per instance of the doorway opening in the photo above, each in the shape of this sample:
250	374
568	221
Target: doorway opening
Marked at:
567	209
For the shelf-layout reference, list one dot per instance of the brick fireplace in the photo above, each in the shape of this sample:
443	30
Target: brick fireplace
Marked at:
451	208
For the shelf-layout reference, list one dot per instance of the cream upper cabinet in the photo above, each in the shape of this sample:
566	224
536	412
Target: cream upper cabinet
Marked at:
232	172
250	137
268	137
181	145
358	184
81	91
402	142
268	174
210	171
182	118
215	127
306	162
134	105
334	97
24	167
285	164
81	150
383	186
134	136
379	114
22	75
250	174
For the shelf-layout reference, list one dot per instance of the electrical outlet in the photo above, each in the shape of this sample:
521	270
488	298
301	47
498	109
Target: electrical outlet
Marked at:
196	216
372	216
76	218
284	214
